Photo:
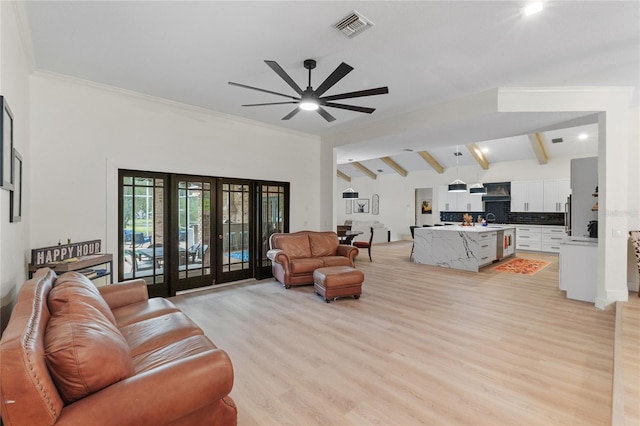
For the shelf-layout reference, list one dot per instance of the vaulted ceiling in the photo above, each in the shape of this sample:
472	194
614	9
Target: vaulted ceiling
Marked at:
427	53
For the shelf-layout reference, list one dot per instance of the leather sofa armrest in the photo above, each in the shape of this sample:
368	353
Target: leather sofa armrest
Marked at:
124	293
158	396
347	251
278	256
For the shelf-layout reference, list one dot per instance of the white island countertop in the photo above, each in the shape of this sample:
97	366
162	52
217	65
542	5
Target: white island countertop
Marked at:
458	247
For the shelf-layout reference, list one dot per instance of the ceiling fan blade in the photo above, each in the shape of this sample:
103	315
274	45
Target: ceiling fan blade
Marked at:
261	90
283	75
342	70
291	114
357	94
272	103
325	114
350	107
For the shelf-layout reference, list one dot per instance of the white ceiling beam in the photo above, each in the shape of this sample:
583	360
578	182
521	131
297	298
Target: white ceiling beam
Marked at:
432	161
343	176
395	166
539	147
475	151
364	170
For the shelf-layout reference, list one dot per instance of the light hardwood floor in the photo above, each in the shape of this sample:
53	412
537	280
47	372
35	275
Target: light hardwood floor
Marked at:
423	345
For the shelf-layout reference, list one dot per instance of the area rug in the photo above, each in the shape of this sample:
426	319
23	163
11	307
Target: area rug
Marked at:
522	266
240	255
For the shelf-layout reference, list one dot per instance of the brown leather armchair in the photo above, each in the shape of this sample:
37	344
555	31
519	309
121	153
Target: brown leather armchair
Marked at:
295	256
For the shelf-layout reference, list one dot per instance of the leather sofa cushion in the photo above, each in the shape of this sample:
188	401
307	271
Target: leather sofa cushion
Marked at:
323	244
305	266
73	286
167	354
154	333
141	311
295	246
336	261
84	351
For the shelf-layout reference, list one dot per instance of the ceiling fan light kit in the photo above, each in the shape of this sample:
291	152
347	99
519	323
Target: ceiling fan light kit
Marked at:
312	100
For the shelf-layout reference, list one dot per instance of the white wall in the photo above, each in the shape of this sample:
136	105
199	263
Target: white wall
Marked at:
14	85
83	133
397	193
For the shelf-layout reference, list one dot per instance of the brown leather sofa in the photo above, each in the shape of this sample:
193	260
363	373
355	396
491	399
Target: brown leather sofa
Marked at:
295	256
73	354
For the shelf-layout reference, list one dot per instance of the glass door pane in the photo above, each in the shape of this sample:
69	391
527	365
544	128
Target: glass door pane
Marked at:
193	233
143	227
273	208
236	231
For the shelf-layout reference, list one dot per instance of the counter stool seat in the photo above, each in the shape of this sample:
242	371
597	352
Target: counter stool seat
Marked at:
332	282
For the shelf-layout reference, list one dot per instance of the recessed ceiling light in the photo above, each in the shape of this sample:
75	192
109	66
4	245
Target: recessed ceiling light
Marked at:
583	136
484	150
533	8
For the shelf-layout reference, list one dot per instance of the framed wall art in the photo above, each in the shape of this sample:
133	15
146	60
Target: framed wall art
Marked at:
375	204
15	201
348	206
361	205
6	143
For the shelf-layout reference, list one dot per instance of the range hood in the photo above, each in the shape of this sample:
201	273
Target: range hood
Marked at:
499	191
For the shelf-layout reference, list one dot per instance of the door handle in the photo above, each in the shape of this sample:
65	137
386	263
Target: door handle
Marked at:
219	236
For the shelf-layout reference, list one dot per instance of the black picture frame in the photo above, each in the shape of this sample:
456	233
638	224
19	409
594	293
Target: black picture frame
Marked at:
361	205
6	145
15	201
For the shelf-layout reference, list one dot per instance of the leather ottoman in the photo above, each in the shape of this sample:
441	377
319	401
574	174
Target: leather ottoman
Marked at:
337	281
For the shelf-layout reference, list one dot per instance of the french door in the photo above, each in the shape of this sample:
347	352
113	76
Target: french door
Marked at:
179	232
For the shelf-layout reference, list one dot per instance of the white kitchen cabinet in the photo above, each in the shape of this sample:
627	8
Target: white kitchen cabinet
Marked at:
487	252
447	201
527	196
552	238
555	193
458	201
579	270
528	237
465	202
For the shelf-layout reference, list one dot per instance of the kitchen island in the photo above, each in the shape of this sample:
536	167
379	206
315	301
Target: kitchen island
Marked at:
468	248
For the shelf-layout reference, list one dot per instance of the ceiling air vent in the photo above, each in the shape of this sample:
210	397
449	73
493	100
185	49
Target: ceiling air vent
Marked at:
557	140
353	24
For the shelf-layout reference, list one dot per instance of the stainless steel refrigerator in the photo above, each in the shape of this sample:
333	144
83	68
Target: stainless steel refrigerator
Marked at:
580	206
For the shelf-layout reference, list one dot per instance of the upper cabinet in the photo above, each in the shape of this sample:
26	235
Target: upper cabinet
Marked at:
549	195
458	201
526	196
556	192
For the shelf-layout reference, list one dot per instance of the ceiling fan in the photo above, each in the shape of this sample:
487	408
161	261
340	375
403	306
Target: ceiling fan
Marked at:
312	100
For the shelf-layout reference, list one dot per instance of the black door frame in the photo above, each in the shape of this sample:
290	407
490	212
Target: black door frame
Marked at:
170	283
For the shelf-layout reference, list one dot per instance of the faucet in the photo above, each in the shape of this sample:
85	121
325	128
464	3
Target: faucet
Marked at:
491	218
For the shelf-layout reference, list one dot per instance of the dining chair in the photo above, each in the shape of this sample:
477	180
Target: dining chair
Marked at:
365	244
341	230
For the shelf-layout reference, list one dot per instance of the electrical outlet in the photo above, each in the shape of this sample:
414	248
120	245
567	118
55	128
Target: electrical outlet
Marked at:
616	233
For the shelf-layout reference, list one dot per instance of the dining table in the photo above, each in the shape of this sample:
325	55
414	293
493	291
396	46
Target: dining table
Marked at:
348	237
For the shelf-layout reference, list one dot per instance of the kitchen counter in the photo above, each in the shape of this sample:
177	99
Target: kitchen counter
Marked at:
467	248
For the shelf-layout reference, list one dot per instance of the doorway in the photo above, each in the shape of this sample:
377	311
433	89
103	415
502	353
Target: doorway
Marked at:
180	232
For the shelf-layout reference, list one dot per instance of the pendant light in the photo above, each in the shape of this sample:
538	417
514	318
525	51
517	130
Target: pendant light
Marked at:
477	189
349	193
457	185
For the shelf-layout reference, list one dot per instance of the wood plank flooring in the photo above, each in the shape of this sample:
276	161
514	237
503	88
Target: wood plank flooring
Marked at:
423	345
